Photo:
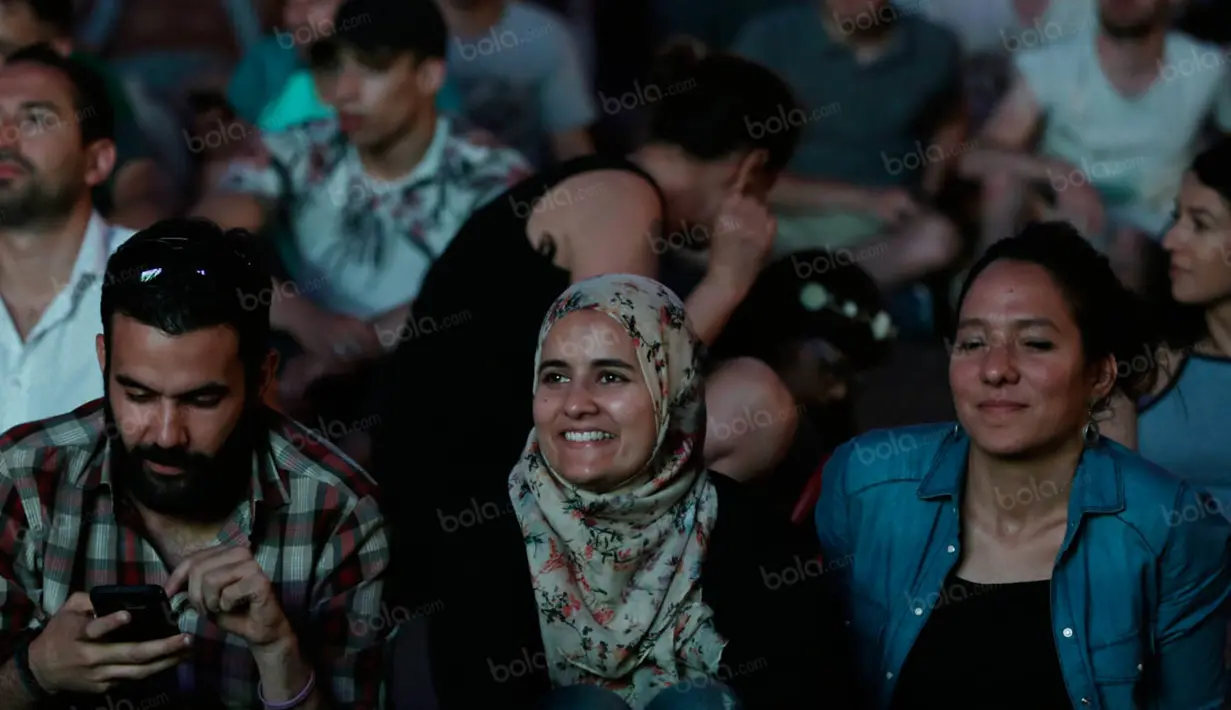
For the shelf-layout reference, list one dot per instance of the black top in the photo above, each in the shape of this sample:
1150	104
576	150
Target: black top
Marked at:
985	645
459	387
786	643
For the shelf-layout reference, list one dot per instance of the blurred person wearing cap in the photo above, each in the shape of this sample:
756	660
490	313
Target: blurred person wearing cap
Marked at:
370	199
882	119
56	144
1119	113
136	194
267	541
521	76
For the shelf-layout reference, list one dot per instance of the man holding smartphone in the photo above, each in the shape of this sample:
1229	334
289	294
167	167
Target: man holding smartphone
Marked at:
267	543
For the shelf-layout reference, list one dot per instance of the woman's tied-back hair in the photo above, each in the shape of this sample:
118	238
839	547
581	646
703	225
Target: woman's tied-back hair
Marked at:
710	102
1112	319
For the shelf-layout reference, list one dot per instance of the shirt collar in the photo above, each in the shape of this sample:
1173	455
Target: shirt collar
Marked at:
95	249
429	165
1098	486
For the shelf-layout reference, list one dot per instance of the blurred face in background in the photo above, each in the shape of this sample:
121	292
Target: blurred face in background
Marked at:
1133	19
314	14
593	412
44	169
696	191
1199	245
380	97
862	18
19	28
1021	384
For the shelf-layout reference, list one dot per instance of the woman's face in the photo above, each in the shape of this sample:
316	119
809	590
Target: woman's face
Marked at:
1199	244
592	409
1018	373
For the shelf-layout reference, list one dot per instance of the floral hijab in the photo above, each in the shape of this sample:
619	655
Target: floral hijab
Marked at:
617	575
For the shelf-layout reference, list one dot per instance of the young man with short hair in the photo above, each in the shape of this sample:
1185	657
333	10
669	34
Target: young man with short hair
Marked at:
268	542
372	197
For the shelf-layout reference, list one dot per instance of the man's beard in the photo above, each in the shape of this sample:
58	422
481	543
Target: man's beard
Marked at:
207	489
36	202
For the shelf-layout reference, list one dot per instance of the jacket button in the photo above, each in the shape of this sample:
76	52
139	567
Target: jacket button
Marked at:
918	611
1068	633
1140	668
1085	701
889	675
951	549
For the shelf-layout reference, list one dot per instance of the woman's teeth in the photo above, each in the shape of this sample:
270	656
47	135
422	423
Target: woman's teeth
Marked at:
587	435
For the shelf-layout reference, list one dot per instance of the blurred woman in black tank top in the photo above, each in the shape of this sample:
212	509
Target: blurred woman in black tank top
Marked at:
458	413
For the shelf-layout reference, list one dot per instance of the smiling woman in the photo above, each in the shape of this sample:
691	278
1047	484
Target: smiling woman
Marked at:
1026	495
617	529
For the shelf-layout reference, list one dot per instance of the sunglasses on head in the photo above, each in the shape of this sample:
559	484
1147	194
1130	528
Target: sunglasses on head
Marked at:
178	256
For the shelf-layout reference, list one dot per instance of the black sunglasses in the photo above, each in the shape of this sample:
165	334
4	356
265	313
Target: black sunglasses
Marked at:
152	259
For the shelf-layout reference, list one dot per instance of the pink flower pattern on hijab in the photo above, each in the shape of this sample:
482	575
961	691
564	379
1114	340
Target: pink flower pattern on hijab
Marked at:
617	575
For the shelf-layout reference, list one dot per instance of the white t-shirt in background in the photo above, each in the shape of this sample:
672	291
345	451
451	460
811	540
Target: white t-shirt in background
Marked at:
992	26
1134	150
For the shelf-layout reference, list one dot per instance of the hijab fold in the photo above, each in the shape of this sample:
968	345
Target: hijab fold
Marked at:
617	575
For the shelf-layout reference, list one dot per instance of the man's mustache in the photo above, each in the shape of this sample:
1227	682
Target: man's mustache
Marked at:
174	458
8	155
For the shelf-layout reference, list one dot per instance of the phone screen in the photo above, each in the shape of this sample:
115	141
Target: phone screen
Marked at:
148	605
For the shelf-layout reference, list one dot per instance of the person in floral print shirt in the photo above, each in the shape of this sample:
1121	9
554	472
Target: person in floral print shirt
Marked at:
370	197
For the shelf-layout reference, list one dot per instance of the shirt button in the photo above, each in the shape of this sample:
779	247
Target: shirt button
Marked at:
1068	633
1139	667
951	549
1085	701
918	611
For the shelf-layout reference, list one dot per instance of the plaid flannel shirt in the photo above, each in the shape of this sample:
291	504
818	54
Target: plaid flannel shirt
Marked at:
311	522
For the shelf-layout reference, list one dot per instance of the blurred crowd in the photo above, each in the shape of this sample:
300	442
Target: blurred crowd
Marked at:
331	242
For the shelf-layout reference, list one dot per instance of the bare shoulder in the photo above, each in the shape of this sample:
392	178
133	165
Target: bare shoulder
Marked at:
608	190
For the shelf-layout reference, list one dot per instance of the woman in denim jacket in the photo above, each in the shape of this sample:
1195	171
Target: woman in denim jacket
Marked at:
1018	559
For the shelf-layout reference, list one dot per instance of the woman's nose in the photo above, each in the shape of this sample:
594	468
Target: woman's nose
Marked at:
579	401
998	364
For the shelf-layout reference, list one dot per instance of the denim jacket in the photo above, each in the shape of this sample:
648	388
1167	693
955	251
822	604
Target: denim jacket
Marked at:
1137	591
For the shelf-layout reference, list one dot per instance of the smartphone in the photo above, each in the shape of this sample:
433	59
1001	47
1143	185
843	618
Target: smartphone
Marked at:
147	604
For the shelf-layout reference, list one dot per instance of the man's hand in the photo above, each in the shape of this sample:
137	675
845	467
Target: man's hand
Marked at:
227	585
70	655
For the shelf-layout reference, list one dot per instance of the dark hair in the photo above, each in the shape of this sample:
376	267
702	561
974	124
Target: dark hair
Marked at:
382	30
1112	319
710	101
95	114
57	14
181	275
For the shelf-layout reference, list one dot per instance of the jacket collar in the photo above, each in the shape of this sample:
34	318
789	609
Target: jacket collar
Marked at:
1098	487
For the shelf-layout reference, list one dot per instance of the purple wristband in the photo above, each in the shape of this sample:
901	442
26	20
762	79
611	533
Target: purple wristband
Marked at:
293	702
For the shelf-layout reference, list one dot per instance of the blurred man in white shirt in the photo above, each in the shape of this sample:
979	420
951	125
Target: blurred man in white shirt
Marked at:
56	143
